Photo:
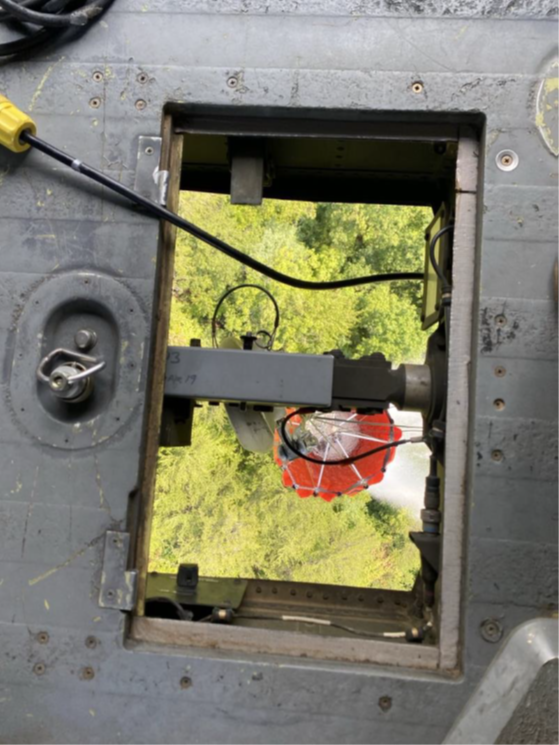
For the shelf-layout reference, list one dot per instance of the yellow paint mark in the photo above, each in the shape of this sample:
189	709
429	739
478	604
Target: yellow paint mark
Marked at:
47	606
55	569
551	84
49	192
461	32
96	619
39	88
92	712
46	236
1	582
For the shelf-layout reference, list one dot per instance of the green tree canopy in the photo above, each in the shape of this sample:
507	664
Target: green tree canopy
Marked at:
226	509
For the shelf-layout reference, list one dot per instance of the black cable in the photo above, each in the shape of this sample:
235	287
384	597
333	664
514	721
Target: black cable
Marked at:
342	461
79	17
272	336
446	287
163	213
52	23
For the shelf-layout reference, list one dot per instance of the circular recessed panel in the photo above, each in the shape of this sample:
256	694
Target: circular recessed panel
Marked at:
52	315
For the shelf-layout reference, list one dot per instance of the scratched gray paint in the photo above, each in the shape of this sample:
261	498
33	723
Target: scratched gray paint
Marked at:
56	507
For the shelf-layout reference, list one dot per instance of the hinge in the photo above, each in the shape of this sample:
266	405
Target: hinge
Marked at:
118	584
150	181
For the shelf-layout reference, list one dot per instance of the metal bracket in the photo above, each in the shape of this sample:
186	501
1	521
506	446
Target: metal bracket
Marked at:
150	181
118	585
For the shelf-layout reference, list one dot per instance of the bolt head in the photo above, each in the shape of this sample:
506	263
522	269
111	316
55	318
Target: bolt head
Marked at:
85	339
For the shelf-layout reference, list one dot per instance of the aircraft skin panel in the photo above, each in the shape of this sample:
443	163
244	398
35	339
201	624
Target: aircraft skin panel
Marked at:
69	671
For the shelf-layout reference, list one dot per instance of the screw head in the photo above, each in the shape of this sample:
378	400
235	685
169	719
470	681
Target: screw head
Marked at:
233	81
500	371
98	76
385	703
87	673
499	404
491	630
500	320
497	456
42	637
149	150
39	668
185	682
417	87
140	104
507	160
95	103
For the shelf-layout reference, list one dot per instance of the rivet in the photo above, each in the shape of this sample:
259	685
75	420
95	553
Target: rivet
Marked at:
39	668
140	104
491	630
186	682
501	320
149	150
98	76
385	703
417	87
142	78
499	404
42	637
87	673
500	371
232	82
95	103
91	642
497	456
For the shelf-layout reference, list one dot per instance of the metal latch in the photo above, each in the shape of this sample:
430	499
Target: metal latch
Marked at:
118	584
71	373
150	181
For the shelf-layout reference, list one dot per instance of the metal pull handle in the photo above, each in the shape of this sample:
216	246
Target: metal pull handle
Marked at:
72	379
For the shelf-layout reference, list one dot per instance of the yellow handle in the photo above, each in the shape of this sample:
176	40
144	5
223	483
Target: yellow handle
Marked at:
12	123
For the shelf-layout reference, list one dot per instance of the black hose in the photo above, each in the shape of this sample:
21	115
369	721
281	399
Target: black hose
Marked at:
50	19
80	17
163	213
